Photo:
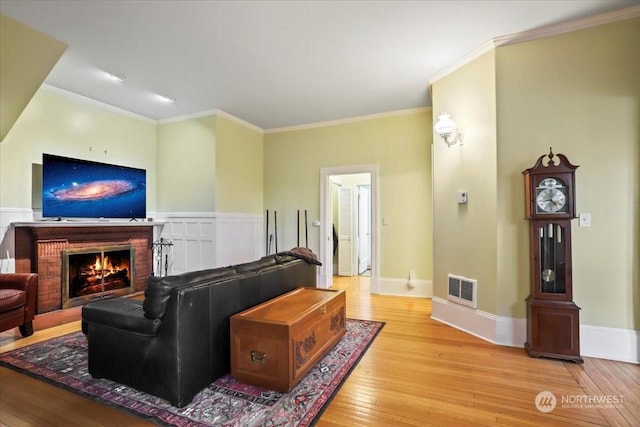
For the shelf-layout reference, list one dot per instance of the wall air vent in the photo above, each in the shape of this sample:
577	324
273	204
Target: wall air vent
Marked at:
463	291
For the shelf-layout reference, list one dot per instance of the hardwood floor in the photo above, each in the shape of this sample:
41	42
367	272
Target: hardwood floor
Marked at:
417	372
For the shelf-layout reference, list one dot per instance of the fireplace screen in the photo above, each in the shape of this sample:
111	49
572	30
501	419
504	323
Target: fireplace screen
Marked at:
89	273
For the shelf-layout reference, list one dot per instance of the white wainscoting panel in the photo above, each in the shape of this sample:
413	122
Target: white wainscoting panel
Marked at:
239	238
7	236
209	240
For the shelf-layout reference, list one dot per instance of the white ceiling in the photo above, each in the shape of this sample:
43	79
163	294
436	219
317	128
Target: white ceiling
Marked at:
275	63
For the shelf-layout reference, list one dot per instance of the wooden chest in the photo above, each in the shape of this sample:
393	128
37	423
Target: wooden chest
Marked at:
275	344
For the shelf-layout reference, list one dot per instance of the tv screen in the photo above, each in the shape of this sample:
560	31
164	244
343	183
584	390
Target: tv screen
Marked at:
73	188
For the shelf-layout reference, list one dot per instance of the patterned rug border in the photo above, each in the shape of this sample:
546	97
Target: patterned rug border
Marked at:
317	416
157	421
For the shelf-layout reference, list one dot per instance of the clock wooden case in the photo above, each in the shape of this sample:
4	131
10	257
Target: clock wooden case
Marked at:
553	324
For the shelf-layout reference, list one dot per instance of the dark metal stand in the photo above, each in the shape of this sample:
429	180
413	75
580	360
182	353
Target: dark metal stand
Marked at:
161	249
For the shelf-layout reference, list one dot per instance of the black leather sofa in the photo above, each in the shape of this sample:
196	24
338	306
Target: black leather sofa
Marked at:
177	342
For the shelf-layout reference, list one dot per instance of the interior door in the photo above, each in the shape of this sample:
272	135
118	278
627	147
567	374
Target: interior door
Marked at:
364	228
345	231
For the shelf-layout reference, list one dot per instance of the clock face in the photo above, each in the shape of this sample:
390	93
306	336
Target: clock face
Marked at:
551	196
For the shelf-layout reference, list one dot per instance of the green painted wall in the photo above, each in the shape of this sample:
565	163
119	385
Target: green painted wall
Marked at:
186	165
239	167
464	241
56	124
580	93
26	58
399	144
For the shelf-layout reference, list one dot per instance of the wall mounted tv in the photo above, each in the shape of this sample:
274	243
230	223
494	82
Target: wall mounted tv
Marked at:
74	188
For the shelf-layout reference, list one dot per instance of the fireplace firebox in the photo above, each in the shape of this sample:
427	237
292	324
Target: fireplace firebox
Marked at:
91	273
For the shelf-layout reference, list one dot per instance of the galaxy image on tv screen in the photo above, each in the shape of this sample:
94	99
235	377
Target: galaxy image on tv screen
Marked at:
73	188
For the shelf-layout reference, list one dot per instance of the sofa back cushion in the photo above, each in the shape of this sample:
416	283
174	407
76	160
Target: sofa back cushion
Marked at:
158	291
267	261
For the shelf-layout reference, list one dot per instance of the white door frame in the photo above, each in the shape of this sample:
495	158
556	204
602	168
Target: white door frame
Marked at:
364	238
325	278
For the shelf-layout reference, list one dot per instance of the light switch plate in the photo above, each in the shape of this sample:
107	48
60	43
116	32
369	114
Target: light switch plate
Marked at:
584	220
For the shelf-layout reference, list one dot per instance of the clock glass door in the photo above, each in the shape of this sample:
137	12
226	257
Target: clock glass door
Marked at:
552	259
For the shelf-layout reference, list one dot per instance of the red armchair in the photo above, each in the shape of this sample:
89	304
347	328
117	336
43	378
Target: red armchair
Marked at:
18	299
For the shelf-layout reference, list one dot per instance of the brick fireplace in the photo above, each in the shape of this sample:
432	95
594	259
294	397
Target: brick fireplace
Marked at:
44	249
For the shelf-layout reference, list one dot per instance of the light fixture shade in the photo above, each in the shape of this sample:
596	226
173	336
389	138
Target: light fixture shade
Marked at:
445	125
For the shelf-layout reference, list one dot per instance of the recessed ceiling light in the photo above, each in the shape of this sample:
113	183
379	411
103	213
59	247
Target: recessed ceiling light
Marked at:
116	77
166	99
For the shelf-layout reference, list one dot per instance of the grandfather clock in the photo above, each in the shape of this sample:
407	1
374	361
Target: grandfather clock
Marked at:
553	319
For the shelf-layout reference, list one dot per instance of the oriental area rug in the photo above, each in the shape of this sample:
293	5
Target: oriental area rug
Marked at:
226	402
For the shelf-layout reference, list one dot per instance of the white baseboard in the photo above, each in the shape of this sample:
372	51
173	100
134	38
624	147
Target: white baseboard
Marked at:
601	342
473	321
595	341
400	287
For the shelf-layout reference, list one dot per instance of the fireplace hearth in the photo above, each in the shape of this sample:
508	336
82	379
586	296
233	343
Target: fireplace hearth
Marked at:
91	273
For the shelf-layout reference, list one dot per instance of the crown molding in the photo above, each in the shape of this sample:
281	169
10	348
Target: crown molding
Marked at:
487	47
538	33
238	120
348	120
206	113
566	27
98	104
209	113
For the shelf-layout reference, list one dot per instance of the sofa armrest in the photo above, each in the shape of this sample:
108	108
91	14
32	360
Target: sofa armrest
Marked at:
119	313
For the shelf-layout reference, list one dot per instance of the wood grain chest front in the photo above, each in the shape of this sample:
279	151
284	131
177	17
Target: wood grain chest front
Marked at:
275	344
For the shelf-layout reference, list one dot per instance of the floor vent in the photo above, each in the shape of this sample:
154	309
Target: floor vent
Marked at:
463	291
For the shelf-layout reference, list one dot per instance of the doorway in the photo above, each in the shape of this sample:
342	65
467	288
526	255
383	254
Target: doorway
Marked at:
351	224
355	240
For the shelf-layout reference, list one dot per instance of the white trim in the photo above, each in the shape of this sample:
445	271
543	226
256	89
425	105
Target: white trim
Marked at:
214	112
400	287
474	54
9	216
348	120
472	321
160	215
95	103
17	211
595	341
538	33
204	240
566	27
239	121
205	113
601	342
325	272
511	331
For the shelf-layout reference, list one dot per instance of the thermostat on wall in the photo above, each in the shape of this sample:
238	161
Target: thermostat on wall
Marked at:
461	197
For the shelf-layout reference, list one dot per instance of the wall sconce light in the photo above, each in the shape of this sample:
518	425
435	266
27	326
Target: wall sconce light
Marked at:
447	130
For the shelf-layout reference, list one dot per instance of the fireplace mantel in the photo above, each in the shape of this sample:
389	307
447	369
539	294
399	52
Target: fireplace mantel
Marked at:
40	245
85	224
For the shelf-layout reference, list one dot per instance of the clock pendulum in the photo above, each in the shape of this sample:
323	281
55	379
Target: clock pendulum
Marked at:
553	325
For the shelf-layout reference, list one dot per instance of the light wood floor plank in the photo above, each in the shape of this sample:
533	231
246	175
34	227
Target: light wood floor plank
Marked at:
418	372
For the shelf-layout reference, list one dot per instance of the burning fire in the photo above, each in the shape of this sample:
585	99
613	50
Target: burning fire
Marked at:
104	268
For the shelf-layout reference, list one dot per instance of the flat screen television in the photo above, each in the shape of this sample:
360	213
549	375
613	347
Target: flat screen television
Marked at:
74	188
